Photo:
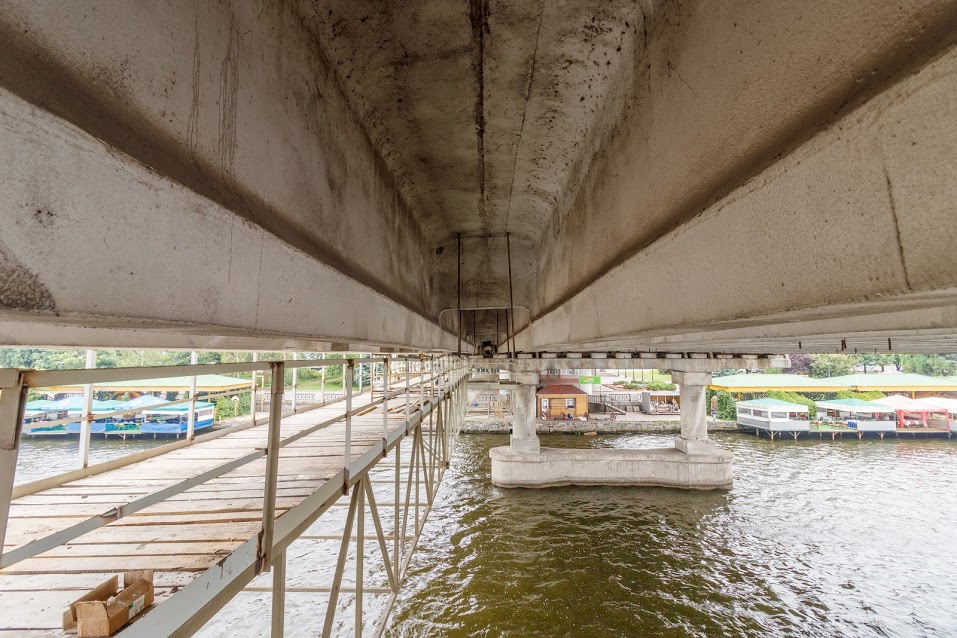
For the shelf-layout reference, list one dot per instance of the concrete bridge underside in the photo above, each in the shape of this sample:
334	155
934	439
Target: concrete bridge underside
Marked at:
699	176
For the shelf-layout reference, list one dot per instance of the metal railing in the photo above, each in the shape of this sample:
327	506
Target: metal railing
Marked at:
444	379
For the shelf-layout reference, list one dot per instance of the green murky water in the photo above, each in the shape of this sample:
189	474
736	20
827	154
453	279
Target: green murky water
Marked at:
815	539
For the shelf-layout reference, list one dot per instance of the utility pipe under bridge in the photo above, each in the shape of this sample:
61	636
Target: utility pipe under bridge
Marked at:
209	513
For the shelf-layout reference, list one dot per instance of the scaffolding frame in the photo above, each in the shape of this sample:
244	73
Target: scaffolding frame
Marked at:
432	426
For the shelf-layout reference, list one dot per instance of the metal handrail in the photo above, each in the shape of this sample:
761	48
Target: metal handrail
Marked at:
441	386
85	376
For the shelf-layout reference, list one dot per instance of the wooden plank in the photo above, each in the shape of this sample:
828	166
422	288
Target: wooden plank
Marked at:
33	610
45	498
210	548
118	564
82	582
186	532
179	519
200	505
79	490
194	494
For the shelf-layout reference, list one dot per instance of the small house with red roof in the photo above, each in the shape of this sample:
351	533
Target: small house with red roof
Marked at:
560	401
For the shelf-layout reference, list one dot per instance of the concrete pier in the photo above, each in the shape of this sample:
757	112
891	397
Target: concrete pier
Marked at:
694	462
524	440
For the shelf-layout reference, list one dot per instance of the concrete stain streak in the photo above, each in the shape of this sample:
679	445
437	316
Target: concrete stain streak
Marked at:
897	227
192	122
229	89
21	289
528	94
478	16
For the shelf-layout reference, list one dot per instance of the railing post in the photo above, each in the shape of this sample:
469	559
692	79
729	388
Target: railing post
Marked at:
295	381
272	462
322	382
422	381
252	394
385	401
347	453
360	549
191	421
86	425
360	376
13	397
395	504
279	595
372	376
408	388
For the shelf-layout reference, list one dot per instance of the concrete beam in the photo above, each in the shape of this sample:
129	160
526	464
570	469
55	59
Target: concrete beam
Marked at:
196	170
97	249
629	361
856	222
716	93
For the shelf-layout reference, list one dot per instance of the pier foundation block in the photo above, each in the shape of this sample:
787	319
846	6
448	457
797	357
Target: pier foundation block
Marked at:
694	462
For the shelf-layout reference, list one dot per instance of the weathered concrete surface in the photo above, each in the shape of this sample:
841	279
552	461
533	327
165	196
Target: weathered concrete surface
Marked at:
703	176
99	241
481	108
244	124
694	462
717	91
485	284
207	94
858	221
524	439
554	467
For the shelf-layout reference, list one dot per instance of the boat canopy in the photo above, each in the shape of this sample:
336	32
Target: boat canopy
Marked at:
773	403
748	383
906	404
180	408
941	402
856	405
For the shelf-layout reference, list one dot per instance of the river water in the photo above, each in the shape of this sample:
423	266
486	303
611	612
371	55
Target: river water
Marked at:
815	539
846	538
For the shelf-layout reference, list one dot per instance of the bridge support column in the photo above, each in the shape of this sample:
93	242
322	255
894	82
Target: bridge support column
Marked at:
694	462
694	413
524	439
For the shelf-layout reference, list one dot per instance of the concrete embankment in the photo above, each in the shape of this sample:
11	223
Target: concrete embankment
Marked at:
601	427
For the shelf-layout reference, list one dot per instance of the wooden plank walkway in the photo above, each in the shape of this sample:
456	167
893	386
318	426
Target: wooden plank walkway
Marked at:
188	531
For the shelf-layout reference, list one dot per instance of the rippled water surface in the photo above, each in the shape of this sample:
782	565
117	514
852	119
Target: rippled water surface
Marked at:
825	538
815	539
48	456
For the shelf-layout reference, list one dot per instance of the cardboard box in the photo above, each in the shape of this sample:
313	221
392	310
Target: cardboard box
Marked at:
104	610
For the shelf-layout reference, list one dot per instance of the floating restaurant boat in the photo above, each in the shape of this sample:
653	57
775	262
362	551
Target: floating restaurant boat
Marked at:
948	404
174	419
163	419
859	415
773	416
914	416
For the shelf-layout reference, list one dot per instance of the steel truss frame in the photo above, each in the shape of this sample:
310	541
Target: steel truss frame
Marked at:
442	398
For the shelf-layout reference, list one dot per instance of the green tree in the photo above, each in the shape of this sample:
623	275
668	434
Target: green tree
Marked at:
934	365
800	364
831	365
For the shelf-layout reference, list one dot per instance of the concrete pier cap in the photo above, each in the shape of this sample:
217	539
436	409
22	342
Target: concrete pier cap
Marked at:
695	462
